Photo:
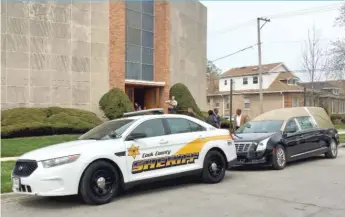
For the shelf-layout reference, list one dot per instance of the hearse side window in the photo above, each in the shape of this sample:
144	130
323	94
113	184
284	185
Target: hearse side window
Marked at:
305	122
291	124
151	128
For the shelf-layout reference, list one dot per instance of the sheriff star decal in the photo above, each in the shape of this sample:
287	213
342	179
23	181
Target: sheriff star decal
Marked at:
133	151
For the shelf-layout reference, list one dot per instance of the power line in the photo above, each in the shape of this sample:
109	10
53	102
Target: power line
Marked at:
294	41
301	12
246	48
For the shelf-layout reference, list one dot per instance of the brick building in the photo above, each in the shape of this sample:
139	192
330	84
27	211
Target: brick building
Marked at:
69	53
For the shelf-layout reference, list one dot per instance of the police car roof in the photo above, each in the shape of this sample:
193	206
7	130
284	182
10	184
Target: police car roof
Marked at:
151	116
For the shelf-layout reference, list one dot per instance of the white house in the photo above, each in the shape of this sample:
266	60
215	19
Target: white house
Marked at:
247	78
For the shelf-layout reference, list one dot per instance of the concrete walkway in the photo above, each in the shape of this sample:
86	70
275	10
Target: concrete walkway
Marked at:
8	158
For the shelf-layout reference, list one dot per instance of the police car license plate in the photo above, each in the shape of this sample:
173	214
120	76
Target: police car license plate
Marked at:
16	182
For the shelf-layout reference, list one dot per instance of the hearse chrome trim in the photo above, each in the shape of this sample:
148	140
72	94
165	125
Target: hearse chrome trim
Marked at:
308	152
243	146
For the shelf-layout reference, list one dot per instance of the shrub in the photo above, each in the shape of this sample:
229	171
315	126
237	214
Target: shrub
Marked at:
184	98
19	122
336	119
115	103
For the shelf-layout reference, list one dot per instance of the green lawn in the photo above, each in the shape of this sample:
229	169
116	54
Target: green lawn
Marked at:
342	138
341	126
6	169
18	146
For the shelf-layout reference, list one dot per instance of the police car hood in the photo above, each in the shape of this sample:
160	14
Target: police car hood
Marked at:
72	148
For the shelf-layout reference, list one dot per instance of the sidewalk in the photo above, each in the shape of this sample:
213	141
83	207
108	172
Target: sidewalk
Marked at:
8	158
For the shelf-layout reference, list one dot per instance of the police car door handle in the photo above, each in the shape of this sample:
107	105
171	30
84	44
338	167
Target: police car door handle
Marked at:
163	141
201	136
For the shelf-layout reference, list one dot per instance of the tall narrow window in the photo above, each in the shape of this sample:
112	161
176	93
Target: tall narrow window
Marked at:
139	40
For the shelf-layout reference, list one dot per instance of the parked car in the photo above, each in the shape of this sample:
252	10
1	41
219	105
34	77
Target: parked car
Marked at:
227	117
125	152
285	135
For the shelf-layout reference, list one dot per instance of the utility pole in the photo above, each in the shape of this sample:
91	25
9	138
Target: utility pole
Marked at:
260	64
230	105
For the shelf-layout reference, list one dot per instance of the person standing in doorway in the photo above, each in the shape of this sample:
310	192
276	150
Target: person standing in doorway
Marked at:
239	118
172	109
216	117
137	107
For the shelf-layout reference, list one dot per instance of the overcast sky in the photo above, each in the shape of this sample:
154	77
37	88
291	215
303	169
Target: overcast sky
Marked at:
282	38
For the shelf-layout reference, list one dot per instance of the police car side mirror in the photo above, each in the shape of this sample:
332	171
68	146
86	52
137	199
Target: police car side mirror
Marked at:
134	136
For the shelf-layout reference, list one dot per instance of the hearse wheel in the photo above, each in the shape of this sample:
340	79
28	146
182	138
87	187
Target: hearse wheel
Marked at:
333	150
214	167
100	183
279	158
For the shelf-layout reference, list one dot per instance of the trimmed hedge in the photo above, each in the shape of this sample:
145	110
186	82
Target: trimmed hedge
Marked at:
184	99
23	122
115	103
337	118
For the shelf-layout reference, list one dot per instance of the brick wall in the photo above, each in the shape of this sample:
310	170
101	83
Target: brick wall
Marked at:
162	49
117	44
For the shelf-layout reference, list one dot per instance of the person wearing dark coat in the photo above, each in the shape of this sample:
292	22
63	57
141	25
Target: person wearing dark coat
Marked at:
211	119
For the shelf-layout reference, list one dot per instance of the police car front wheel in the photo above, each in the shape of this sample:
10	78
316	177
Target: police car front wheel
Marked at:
100	183
214	167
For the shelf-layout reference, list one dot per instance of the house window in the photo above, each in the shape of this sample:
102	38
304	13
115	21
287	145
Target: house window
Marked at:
245	80
295	101
246	103
208	100
255	79
225	82
227	105
217	104
342	107
336	91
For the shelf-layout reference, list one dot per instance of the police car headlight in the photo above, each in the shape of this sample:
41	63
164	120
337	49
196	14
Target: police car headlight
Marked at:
59	161
262	145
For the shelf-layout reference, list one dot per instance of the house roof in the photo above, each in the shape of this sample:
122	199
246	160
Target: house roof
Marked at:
319	85
278	85
249	70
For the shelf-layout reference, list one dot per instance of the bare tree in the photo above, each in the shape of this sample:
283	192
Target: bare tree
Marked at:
337	51
212	75
314	58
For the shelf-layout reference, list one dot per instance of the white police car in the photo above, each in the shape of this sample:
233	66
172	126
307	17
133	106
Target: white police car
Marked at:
120	153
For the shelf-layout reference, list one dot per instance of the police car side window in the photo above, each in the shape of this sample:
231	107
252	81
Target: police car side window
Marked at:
178	125
195	127
151	128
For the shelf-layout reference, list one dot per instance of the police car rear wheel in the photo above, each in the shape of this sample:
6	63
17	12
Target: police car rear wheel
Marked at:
100	183
214	167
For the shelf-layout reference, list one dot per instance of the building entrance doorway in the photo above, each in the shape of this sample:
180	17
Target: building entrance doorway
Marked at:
146	97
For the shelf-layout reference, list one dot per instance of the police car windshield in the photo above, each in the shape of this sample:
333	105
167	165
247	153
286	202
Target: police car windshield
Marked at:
108	130
267	126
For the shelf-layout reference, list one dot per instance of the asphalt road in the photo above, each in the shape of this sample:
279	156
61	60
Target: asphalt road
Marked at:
309	188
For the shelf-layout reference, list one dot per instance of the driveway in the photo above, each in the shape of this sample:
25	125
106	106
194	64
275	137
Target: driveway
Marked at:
309	188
